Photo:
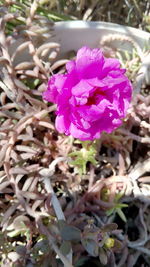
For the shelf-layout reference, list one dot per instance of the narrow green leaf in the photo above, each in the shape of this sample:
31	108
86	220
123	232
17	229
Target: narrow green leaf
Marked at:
122	205
118	196
110	211
121	214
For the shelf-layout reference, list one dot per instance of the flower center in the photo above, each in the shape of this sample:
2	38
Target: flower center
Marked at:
95	97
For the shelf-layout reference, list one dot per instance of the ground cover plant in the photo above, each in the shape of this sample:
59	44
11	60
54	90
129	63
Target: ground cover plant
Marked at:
66	202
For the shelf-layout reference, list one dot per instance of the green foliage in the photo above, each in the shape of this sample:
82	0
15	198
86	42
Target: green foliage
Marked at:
68	232
118	207
97	241
130	61
54	16
81	262
82	157
65	247
41	246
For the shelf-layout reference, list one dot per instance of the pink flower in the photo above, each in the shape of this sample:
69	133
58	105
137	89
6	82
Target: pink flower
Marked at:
92	97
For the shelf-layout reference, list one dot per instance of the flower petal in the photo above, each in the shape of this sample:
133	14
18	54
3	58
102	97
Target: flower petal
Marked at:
89	62
78	133
92	97
70	66
55	85
62	124
82	89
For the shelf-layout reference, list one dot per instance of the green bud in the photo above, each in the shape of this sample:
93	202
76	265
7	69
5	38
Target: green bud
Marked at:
109	243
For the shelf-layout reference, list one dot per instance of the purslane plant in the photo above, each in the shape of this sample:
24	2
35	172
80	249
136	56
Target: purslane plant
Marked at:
92	97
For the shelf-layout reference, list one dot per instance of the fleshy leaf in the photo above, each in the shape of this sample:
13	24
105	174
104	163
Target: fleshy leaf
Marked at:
70	233
91	247
65	247
109	227
103	256
117	245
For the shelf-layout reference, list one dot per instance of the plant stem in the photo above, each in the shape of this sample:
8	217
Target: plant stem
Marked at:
58	211
53	245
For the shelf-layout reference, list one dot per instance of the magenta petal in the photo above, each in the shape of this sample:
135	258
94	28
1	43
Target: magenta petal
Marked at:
90	54
82	88
60	80
55	85
89	62
78	133
92	97
111	64
91	113
62	124
96	82
70	66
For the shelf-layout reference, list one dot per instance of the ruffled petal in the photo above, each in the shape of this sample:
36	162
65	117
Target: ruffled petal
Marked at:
92	97
82	89
55	86
89	62
62	124
78	133
70	66
92	113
